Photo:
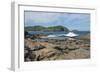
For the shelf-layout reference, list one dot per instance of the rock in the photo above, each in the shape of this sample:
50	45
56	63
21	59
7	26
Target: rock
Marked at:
25	53
27	59
37	47
86	46
33	45
73	47
51	54
32	56
45	54
78	54
85	37
60	50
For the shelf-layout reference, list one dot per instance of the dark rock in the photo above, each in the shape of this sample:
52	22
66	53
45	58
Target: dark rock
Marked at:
32	56
27	59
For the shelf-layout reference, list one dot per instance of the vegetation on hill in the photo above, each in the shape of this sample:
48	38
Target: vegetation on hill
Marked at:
42	28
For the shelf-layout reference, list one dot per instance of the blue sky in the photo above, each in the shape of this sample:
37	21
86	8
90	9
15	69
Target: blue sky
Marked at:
73	21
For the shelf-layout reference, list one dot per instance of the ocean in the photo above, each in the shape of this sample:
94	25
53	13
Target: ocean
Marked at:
80	33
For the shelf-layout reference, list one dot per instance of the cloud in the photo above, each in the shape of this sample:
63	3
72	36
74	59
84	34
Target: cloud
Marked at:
70	20
41	17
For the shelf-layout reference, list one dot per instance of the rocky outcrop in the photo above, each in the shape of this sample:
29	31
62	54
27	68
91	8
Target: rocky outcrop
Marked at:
56	50
85	37
78	54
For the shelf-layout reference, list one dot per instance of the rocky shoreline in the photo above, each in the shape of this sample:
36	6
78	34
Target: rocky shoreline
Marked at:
56	49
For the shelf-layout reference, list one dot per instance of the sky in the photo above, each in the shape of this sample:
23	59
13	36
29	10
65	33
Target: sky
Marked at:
73	21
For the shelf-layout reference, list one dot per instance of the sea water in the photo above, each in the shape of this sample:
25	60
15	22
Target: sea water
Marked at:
80	33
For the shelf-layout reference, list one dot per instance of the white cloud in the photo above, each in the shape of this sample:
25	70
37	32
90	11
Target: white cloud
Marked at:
70	20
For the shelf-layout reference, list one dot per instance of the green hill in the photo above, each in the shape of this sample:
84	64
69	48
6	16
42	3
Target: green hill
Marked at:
42	28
